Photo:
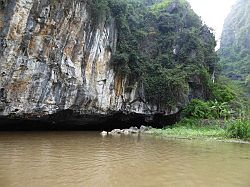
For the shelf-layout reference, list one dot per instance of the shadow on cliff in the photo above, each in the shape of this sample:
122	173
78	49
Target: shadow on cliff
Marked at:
69	120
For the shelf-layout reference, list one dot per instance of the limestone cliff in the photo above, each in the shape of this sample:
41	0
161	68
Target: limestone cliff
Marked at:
89	60
55	58
235	44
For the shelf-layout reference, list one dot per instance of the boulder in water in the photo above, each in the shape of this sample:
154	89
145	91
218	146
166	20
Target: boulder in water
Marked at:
104	133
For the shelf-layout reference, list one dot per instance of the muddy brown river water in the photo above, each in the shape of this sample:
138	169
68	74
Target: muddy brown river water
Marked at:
88	159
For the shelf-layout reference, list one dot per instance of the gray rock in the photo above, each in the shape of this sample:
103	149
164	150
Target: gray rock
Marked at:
144	128
134	130
115	131
126	131
104	133
47	66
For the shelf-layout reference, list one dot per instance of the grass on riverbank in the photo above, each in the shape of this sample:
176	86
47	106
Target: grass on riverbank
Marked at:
217	129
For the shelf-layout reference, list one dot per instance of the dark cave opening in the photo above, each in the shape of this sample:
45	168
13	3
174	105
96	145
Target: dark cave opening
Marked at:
69	121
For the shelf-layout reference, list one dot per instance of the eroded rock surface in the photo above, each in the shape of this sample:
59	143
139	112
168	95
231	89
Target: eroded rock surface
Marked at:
54	57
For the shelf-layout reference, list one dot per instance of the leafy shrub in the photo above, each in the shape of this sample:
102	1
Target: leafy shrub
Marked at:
238	129
222	92
219	109
196	123
207	110
197	109
194	128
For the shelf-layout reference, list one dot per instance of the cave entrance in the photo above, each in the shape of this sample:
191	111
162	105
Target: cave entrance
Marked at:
69	121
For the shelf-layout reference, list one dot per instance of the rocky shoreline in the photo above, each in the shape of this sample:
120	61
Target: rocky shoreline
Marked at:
131	130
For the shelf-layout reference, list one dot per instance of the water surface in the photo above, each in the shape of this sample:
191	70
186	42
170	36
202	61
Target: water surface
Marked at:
88	159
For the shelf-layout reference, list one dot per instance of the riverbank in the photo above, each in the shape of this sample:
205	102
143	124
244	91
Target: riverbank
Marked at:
229	131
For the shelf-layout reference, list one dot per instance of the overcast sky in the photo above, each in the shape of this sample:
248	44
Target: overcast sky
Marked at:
213	12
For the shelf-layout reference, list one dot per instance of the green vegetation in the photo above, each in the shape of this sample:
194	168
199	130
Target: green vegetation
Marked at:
207	110
226	101
238	129
224	116
192	128
163	45
235	45
164	3
204	129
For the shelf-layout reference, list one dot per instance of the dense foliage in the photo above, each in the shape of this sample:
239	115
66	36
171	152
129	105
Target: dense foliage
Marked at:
238	129
162	44
208	110
200	128
192	128
227	100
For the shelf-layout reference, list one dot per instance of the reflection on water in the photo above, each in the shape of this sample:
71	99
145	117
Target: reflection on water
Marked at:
88	159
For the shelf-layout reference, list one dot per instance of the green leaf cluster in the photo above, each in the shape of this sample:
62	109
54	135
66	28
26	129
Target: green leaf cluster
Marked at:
207	109
238	129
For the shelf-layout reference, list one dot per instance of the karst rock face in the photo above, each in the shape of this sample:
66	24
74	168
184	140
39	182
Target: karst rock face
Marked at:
235	44
53	57
59	62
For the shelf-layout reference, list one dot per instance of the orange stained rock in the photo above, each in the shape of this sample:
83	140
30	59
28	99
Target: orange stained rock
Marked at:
1	20
118	85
